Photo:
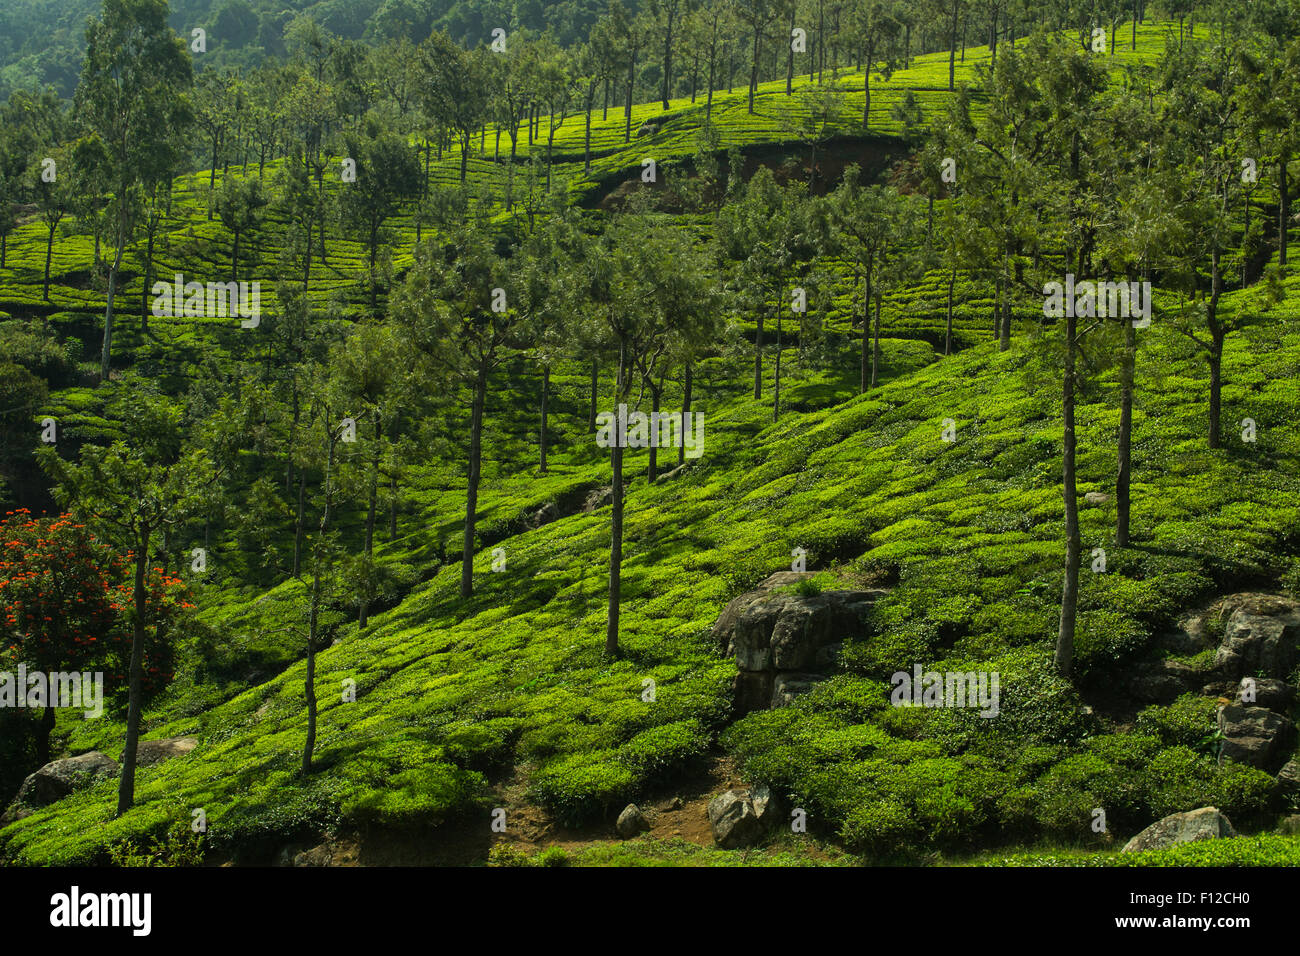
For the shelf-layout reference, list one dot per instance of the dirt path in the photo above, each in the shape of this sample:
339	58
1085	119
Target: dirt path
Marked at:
678	812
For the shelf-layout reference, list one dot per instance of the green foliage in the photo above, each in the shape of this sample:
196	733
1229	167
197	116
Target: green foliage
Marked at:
582	787
179	846
452	691
1190	721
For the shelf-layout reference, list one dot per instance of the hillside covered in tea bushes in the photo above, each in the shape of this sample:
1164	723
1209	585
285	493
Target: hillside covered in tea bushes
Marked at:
916	452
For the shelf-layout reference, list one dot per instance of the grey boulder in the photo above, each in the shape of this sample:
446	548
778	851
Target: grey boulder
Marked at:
631	822
1256	736
1262	635
1207	823
739	817
57	779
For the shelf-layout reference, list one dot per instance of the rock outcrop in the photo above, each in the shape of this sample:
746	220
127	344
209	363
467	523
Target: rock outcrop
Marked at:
598	498
1255	654
1207	823
1262	635
1288	780
784	641
56	780
1257	736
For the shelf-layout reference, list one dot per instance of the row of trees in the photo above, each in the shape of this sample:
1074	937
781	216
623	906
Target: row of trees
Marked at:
1047	189
108	166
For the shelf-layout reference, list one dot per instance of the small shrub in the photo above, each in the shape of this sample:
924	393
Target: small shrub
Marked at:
507	854
881	828
1189	722
179	846
581	787
552	856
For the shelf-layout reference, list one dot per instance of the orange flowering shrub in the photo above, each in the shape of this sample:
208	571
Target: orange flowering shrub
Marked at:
67	603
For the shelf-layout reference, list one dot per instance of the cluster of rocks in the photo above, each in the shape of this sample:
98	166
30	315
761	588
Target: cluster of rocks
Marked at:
737	818
582	498
785	642
1254	660
59	778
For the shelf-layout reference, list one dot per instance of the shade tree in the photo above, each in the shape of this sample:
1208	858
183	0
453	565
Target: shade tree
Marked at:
133	82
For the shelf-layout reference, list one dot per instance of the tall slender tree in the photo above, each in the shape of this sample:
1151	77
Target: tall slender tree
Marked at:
133	83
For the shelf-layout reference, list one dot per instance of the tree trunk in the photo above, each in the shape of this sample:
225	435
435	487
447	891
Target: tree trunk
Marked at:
1004	324
298	521
1216	386
668	56
1124	471
708	103
866	97
875	342
309	681
1283	210
212	178
45	729
586	155
627	104
686	408
471	496
997	306
616	531
49	252
104	359
776	377
371	503
753	74
313	623
1217	336
550	140
653	471
392	507
148	275
126	783
864	373
947	338
1064	657
546	389
510	175
789	54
